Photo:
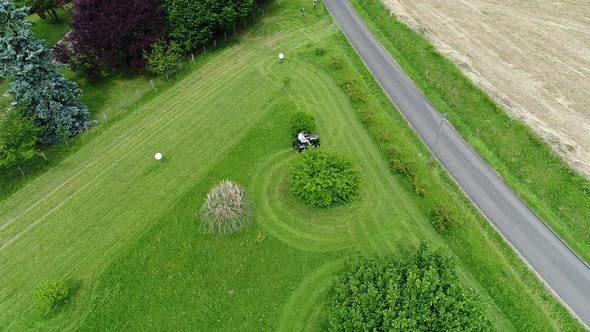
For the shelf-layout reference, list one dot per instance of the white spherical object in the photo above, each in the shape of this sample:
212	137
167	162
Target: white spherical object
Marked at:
281	56
158	156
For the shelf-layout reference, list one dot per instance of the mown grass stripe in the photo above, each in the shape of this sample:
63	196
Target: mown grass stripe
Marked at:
124	143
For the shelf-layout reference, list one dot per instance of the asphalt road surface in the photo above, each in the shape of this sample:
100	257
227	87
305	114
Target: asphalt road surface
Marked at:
562	270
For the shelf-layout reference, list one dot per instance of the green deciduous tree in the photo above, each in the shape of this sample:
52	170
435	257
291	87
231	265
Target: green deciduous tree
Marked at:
163	56
18	139
50	294
421	293
193	23
108	34
322	178
37	85
301	121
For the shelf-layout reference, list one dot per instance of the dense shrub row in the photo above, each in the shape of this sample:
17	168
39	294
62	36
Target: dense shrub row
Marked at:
420	293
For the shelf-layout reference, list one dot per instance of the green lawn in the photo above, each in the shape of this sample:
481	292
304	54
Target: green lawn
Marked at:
49	30
122	229
111	97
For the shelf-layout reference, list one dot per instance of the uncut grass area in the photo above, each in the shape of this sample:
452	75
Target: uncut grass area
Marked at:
122	229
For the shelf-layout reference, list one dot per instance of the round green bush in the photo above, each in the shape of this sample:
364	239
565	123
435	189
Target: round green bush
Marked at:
323	178
226	209
419	293
302	121
50	294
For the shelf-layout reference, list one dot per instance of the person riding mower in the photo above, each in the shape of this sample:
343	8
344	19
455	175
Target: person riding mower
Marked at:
303	141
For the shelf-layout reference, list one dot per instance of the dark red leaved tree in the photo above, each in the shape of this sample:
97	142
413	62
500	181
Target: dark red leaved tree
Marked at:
112	33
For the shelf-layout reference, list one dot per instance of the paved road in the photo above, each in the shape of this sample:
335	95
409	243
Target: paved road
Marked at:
553	261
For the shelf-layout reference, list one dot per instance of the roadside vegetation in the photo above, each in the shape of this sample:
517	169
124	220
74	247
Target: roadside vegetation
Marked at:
547	184
127	230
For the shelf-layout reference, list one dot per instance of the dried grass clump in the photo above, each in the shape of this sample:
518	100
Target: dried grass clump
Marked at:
226	209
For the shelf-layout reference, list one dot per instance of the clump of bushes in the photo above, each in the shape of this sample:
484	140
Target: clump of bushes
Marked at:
336	63
443	218
442	214
399	163
302	121
420	186
322	178
50	294
319	51
353	89
226	209
420	293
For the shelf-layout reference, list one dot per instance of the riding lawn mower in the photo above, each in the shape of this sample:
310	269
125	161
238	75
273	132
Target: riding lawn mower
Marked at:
314	140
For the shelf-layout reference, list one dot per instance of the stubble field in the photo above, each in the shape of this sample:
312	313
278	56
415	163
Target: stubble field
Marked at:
533	58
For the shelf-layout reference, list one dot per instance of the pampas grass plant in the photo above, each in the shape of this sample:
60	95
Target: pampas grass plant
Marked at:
226	209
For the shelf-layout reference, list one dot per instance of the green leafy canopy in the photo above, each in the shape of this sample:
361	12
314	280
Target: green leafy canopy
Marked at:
18	138
50	294
420	293
302	121
163	56
322	178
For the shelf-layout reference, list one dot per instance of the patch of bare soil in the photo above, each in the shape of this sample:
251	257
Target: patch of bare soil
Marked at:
532	57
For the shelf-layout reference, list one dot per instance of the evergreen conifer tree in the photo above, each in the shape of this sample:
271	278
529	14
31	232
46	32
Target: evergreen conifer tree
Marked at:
37	85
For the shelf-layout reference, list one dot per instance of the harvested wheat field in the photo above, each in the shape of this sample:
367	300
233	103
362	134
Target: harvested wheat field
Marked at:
533	58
